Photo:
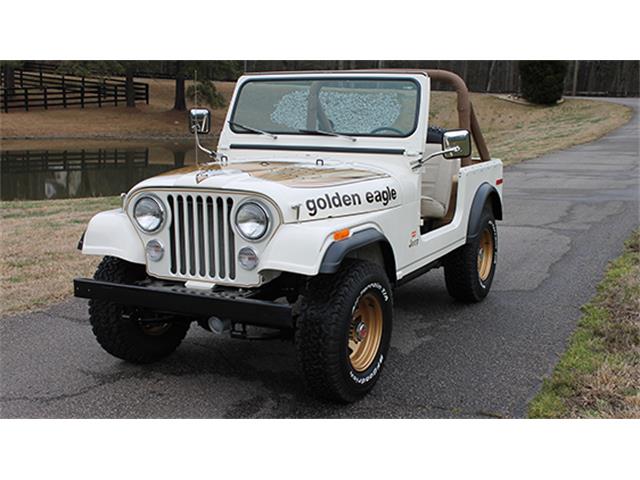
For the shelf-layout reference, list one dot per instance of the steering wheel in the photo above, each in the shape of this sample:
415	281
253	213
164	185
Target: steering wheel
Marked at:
382	129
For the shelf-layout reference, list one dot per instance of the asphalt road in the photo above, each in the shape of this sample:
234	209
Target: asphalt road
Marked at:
566	216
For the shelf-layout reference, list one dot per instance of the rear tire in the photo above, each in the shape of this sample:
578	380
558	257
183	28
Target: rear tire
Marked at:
119	332
344	330
469	270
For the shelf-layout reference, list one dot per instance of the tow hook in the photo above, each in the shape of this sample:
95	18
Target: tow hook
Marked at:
218	326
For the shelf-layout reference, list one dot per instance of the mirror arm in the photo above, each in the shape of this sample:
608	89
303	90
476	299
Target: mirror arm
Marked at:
421	161
210	153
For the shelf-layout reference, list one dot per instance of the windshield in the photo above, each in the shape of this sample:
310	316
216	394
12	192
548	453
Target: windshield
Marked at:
346	106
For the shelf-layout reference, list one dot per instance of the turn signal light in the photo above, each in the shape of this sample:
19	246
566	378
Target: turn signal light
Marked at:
341	234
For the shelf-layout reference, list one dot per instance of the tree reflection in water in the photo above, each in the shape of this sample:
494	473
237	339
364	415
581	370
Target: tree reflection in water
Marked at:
92	172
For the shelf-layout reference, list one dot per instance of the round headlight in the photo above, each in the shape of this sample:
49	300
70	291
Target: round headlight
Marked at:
148	213
252	221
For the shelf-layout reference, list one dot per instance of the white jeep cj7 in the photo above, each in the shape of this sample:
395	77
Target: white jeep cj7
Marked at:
326	191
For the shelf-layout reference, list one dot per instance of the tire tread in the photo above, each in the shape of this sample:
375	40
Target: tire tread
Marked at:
319	325
461	270
114	334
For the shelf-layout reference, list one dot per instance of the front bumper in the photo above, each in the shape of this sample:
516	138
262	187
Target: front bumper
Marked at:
191	302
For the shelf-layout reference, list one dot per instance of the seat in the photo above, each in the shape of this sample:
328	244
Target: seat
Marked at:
437	182
435	134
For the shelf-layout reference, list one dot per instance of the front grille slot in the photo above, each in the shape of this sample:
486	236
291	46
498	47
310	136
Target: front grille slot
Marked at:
220	239
202	243
231	246
172	233
201	251
191	250
211	227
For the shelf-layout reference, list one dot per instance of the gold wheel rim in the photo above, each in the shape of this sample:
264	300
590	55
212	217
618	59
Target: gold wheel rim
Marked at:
365	333
485	254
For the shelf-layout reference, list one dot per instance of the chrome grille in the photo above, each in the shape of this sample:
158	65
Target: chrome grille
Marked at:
201	241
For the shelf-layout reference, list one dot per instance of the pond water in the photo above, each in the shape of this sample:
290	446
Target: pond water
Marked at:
41	170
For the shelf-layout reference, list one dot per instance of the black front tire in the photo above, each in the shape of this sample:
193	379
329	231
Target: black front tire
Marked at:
122	334
464	276
325	331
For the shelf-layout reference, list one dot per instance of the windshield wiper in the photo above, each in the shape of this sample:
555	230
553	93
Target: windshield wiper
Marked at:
251	129
330	134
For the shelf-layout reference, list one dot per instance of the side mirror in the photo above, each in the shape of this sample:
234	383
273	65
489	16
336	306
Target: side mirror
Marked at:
460	140
199	120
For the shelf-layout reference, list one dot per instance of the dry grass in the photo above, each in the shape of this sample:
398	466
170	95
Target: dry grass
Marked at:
38	256
599	374
153	120
516	132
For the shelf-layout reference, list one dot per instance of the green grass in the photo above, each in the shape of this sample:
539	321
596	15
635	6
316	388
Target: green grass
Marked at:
599	374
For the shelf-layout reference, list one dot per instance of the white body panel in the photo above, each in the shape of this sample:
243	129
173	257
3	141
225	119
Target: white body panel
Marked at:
309	200
112	233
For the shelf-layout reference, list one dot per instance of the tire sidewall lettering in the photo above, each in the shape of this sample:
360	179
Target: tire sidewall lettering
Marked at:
373	285
370	376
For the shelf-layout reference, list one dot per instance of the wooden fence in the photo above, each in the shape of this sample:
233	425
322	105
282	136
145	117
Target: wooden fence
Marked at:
49	90
28	161
155	69
33	66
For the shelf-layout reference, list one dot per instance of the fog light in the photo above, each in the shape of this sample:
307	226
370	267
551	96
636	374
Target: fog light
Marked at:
248	258
155	251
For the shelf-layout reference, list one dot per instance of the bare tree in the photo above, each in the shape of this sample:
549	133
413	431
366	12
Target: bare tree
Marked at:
574	85
492	67
180	102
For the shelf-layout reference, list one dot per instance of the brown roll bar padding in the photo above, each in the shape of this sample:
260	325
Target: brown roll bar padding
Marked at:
467	119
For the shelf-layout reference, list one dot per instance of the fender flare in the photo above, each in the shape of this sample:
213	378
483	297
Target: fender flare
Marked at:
485	193
111	233
337	251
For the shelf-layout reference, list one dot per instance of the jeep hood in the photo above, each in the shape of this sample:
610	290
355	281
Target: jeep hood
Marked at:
302	190
295	175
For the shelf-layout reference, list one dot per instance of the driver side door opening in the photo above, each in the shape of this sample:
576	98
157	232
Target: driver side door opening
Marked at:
438	185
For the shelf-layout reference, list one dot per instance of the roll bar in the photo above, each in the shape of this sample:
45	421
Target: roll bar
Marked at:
467	119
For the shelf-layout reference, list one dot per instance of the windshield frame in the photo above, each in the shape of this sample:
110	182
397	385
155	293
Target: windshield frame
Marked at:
294	77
